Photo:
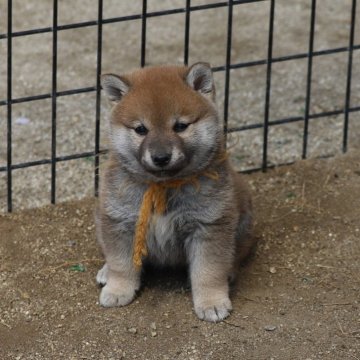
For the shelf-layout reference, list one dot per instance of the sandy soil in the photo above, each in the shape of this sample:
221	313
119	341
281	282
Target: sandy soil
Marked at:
32	63
297	298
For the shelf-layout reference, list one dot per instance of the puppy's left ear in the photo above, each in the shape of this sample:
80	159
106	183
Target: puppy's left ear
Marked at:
199	77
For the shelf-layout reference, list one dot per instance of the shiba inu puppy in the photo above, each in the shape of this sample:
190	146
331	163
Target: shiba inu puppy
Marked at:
165	133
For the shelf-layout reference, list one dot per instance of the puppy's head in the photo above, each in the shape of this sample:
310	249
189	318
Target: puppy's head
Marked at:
164	123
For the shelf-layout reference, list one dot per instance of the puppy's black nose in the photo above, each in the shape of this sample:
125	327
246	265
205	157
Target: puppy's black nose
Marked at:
161	160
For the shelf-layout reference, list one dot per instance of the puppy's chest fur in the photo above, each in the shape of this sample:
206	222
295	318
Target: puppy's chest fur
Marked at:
188	210
167	236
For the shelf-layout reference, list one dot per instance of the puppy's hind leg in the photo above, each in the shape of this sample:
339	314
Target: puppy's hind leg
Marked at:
245	240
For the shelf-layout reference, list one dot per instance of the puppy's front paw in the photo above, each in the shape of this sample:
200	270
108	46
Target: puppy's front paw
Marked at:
110	297
214	311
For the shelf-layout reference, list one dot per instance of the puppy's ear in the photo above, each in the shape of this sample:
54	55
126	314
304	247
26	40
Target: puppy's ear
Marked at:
115	86
200	78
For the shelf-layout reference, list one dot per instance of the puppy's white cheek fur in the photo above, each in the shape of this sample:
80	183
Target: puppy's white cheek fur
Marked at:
204	135
147	159
206	132
125	141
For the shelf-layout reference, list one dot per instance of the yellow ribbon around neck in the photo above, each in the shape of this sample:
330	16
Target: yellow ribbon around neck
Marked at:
154	201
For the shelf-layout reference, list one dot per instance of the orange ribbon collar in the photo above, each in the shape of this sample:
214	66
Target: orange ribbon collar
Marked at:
154	201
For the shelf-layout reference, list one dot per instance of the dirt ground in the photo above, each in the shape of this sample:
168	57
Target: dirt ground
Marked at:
32	70
297	298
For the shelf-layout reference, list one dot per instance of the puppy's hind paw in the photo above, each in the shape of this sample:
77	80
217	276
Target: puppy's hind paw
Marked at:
102	276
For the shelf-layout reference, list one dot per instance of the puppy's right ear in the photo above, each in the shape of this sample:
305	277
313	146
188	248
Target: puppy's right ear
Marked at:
115	86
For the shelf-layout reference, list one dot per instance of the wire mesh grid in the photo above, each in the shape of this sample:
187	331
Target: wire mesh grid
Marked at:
187	10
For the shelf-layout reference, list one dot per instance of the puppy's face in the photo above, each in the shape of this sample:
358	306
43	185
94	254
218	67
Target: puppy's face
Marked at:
164	123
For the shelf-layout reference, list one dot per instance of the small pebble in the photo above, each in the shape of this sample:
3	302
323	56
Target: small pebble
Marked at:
153	333
270	327
153	326
132	330
272	269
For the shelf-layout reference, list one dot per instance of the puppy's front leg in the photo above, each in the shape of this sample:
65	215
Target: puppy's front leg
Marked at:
119	274
211	262
121	285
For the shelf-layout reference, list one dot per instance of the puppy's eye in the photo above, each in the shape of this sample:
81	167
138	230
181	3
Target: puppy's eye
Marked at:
180	127
141	130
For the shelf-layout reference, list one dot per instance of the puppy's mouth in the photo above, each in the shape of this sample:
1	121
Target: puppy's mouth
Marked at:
164	173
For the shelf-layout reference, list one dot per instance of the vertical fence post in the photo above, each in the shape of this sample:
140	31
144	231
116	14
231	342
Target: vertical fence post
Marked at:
143	33
98	95
187	32
53	102
227	67
309	78
9	107
349	73
268	86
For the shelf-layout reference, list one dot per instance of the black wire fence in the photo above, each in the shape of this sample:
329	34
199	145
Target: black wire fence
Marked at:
187	10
